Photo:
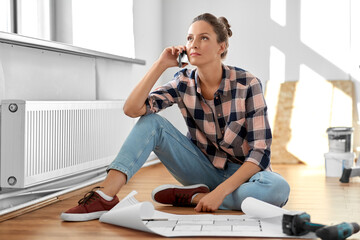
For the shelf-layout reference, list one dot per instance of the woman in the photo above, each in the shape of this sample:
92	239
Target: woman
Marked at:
226	154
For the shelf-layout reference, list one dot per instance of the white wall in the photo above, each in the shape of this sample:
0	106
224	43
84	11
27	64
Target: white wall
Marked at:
148	31
313	35
34	74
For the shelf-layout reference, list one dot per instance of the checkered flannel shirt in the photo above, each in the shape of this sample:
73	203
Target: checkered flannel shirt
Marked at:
241	112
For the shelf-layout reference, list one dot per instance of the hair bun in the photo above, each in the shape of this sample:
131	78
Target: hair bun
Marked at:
224	21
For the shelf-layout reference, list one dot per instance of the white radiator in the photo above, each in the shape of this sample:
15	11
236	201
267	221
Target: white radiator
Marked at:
42	141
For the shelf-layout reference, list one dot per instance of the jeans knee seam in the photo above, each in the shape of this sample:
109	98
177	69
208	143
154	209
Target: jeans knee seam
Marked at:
138	156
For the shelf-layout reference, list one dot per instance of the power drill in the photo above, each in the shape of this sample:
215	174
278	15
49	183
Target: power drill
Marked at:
299	224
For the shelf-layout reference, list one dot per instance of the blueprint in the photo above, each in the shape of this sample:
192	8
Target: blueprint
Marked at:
260	220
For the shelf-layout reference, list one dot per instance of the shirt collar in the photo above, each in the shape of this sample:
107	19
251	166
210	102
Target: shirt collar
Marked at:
224	86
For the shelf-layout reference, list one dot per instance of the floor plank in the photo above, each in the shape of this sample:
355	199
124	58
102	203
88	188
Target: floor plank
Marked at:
326	199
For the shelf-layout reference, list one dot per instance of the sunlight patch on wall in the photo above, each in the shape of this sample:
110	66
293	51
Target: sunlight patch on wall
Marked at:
310	117
355	40
341	109
277	77
327	32
278	12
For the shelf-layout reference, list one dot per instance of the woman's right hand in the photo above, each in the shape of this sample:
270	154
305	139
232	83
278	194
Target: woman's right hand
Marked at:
135	103
169	56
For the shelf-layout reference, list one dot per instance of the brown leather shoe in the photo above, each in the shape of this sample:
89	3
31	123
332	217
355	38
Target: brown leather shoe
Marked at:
90	207
177	195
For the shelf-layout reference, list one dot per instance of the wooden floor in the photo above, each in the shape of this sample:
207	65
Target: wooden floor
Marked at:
326	199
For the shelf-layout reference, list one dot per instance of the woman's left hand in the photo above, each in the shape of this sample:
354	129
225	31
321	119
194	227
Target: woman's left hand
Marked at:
210	202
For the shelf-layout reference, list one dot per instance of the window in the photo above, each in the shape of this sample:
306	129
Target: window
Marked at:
101	25
104	25
5	16
34	18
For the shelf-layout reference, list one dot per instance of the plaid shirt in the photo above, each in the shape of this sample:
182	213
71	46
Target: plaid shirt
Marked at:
241	112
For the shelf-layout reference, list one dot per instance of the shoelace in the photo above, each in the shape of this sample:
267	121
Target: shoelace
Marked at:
182	199
89	196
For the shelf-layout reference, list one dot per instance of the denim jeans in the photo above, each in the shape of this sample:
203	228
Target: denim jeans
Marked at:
188	164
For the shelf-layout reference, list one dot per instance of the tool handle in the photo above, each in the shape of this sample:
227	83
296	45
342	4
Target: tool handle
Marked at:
312	227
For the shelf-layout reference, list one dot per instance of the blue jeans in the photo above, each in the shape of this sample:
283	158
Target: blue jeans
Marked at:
189	165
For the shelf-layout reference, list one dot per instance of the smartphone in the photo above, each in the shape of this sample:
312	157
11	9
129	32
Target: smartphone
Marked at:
182	58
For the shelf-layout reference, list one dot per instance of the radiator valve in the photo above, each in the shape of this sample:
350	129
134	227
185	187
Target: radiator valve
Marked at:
13	107
12	181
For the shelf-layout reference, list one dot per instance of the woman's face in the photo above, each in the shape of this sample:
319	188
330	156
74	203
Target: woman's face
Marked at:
202	46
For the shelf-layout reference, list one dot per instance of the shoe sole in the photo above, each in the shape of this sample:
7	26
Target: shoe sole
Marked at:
81	217
167	186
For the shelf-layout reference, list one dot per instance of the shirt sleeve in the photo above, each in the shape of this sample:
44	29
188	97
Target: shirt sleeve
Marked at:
259	135
162	97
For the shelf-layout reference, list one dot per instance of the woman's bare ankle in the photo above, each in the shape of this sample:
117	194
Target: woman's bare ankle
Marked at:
113	183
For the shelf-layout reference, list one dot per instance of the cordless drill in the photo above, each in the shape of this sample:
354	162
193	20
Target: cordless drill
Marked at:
299	224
